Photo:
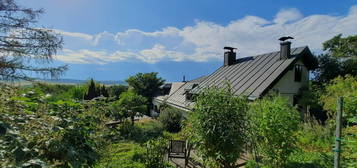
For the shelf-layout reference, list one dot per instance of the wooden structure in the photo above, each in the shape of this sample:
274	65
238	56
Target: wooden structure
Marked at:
179	149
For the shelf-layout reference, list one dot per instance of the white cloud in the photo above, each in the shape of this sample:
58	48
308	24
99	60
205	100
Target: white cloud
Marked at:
204	41
74	34
287	15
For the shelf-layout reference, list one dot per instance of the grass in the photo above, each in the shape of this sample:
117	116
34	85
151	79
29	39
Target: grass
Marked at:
126	154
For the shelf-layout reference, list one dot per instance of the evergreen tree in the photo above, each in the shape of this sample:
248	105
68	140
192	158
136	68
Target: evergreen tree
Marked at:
91	92
104	91
98	90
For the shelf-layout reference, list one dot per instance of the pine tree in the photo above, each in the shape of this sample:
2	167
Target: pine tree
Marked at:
91	92
104	91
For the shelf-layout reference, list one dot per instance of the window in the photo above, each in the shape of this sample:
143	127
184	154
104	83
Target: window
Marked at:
298	73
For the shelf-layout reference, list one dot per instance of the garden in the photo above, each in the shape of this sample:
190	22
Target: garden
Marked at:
97	125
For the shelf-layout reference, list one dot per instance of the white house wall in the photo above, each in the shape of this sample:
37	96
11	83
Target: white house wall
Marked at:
287	86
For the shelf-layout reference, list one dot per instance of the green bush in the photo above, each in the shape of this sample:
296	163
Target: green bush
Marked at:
60	133
142	131
219	125
272	129
313	137
171	119
155	152
349	147
342	87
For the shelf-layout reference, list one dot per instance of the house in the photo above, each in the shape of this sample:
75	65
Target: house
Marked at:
285	72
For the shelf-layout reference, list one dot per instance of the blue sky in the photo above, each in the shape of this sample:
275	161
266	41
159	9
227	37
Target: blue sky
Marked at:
112	39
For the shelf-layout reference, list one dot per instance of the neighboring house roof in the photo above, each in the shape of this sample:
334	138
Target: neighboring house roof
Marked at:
177	96
254	76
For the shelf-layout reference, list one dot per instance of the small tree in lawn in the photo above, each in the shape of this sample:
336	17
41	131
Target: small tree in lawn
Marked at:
131	104
273	122
219	126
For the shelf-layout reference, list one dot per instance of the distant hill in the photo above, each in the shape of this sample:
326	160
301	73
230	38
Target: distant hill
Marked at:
77	81
65	81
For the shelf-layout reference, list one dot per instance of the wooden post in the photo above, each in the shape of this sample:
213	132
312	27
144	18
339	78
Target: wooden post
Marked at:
337	149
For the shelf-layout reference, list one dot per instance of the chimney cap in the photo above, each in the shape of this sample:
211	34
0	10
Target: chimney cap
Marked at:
229	48
285	38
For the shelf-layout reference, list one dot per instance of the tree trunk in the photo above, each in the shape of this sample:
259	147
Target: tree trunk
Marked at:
132	120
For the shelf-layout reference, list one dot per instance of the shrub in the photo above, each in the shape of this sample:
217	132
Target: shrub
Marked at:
171	119
349	147
219	126
273	125
60	133
345	87
154	154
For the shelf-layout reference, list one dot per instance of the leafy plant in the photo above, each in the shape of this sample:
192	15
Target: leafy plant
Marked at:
146	85
219	125
272	130
123	155
155	151
171	119
131	104
342	87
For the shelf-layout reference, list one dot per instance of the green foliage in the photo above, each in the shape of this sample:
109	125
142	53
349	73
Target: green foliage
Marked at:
146	85
342	87
91	92
273	125
219	126
116	90
310	97
313	137
95	90
303	159
340	59
314	143
349	147
171	119
123	155
340	47
60	133
142	131
104	91
131	104
155	151
77	92
329	68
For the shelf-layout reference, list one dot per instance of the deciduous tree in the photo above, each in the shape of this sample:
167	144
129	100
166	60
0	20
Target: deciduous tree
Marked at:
339	59
131	104
146	84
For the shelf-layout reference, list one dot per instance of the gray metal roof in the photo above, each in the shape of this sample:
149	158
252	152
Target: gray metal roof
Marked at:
253	76
177	96
249	76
